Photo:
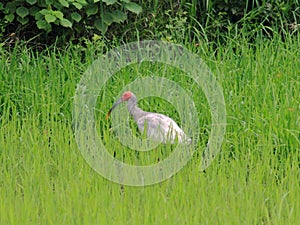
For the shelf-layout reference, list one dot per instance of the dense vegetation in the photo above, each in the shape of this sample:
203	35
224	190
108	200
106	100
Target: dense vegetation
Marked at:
252	47
48	21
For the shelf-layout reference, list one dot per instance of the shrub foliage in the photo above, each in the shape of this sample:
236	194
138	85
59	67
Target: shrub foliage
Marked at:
47	20
63	17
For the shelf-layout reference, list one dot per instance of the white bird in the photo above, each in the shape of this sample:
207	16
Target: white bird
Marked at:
159	127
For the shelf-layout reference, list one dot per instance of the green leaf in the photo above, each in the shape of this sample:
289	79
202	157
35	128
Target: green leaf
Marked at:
107	18
23	21
9	18
95	1
33	10
48	2
11	6
91	10
31	2
43	25
44	11
77	5
57	6
82	2
133	7
50	18
110	2
38	16
118	16
64	3
66	23
22	11
1	6
100	26
58	14
76	16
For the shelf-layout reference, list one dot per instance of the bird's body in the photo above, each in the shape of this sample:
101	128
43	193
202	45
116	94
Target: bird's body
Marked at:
159	127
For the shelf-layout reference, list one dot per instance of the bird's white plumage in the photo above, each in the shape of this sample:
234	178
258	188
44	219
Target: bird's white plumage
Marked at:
161	128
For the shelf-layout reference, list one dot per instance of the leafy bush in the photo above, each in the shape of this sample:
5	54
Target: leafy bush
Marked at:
185	20
256	17
214	21
63	17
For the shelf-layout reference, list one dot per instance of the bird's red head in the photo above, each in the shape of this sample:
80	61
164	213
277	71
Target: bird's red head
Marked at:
126	96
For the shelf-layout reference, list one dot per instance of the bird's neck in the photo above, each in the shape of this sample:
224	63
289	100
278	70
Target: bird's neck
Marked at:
134	110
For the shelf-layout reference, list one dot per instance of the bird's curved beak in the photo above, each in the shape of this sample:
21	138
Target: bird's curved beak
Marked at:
114	106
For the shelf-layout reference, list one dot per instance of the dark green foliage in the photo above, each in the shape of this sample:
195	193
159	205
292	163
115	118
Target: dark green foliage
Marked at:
67	19
214	20
256	17
46	21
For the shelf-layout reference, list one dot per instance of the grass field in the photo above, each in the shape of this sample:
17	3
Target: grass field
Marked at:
254	180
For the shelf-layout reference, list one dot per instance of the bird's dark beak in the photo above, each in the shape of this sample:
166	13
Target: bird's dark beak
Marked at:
114	106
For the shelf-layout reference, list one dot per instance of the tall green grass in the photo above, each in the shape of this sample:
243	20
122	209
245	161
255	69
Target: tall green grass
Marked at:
254	180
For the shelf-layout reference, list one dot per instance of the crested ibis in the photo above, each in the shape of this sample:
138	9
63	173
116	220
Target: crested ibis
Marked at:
159	127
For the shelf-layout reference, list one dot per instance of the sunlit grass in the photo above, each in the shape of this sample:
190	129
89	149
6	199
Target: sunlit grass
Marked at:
255	179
